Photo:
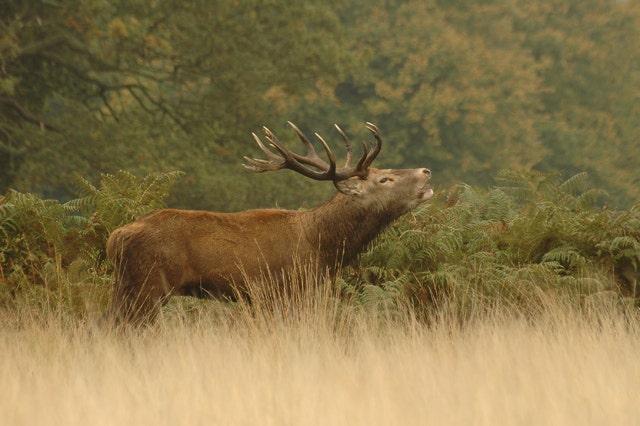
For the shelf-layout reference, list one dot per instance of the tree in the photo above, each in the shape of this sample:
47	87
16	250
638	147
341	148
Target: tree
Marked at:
100	86
460	101
465	88
589	57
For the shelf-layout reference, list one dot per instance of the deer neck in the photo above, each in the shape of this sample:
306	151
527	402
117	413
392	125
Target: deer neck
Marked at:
341	227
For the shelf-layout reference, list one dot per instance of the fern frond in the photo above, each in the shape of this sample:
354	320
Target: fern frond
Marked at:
83	187
86	205
624	243
575	183
590	198
567	256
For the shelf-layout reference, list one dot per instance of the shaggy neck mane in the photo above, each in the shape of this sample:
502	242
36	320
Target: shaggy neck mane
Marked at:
341	227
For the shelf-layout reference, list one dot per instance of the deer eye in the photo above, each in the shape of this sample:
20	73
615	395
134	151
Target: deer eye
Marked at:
384	179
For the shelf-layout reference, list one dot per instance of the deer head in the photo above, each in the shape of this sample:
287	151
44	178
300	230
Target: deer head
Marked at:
355	180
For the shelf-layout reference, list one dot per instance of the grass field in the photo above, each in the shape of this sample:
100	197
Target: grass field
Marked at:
323	364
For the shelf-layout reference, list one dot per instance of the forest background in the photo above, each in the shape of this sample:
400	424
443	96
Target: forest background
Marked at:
465	88
90	88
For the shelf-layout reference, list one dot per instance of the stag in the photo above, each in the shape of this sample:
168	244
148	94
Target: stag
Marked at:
209	254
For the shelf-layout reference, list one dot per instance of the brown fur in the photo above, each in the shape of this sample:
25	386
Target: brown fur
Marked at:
207	254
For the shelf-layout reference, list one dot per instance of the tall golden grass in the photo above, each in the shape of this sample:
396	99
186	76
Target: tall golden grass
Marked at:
316	359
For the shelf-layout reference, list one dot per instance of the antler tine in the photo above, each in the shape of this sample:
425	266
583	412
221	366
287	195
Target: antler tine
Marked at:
361	167
347	144
332	159
370	156
307	143
360	164
290	160
258	165
289	156
320	169
312	157
275	143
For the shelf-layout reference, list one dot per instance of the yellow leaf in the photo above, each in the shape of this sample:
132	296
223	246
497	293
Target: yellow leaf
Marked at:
117	29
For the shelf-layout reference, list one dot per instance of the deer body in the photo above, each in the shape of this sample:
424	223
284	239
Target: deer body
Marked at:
209	254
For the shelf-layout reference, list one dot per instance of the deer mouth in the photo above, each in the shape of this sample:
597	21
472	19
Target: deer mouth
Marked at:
425	193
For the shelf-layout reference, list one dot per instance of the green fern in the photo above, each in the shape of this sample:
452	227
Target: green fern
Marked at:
568	256
36	233
123	197
31	232
533	235
575	184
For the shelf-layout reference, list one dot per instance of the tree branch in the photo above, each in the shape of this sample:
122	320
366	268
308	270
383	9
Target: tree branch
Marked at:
26	115
143	97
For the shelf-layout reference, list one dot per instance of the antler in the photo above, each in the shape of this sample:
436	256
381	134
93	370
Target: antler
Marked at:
321	170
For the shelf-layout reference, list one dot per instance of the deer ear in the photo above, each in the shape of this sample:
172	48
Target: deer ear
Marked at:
351	186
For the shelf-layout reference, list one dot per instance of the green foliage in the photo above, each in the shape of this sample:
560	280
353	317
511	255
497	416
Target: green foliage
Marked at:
533	236
122	197
43	240
96	86
464	88
448	96
32	232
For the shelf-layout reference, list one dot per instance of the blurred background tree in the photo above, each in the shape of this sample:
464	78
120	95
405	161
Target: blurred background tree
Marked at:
463	88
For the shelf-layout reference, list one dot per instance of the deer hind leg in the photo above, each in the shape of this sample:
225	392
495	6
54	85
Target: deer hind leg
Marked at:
138	295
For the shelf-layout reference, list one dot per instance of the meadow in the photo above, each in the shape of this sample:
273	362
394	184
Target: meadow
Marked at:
319	360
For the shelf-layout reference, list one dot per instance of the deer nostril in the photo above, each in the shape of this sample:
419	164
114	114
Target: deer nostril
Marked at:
427	172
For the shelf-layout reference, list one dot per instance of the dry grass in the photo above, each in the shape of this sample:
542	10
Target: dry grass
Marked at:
323	365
